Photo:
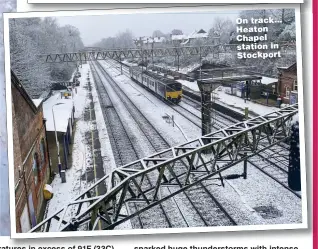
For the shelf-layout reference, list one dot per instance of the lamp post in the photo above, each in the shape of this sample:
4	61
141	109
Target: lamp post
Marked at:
57	141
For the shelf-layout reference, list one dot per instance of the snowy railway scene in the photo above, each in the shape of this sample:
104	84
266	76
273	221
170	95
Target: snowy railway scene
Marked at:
156	123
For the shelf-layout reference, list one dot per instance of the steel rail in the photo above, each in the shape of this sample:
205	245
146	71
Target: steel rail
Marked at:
155	136
123	147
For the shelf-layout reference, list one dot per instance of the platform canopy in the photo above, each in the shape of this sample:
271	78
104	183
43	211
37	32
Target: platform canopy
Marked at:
62	112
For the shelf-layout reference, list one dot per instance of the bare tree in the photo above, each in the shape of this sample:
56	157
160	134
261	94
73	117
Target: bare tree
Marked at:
157	33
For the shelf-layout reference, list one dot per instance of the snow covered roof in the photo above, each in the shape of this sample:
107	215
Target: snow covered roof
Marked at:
178	37
198	34
185	42
194	35
148	40
159	39
18	85
62	112
291	68
37	102
268	80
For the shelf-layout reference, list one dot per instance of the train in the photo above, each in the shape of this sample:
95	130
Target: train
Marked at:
165	88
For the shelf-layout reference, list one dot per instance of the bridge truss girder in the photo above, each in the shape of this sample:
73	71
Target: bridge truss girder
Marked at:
178	168
118	54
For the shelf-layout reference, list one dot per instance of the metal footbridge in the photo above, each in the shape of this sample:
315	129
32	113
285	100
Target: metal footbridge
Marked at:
94	54
179	168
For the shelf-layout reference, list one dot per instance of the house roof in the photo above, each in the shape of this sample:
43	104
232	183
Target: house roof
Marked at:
198	34
178	37
159	39
291	68
194	35
147	40
18	85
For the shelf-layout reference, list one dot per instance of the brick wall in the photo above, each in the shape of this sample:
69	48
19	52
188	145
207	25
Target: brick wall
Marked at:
286	81
28	132
20	197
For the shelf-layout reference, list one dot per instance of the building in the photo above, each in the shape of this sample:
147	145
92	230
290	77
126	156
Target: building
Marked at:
178	39
59	112
187	40
195	36
150	42
287	86
31	157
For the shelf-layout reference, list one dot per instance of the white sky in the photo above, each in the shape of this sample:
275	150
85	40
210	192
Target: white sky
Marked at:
94	28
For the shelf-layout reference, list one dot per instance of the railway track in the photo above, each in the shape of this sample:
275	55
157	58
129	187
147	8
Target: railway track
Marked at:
218	216
122	144
184	109
274	165
275	168
272	162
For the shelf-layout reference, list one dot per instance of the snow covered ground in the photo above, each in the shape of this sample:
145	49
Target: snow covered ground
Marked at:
239	104
5	6
256	200
82	154
155	109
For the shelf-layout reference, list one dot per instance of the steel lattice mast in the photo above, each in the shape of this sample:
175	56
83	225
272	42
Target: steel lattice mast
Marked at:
181	167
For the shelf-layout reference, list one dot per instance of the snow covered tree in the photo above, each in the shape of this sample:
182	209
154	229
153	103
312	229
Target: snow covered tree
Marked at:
125	39
31	37
176	32
289	33
121	40
222	28
157	33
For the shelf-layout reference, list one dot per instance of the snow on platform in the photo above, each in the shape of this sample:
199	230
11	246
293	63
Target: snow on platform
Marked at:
62	112
65	192
81	153
238	104
184	70
231	101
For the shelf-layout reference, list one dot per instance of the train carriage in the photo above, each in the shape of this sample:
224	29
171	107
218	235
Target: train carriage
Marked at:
166	88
